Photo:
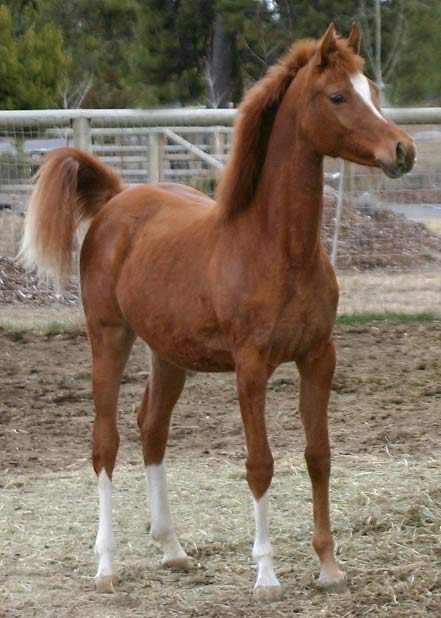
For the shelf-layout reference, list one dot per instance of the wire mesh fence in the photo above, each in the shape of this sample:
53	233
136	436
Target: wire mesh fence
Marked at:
387	245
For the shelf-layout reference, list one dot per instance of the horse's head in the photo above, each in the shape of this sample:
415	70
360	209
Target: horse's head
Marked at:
338	108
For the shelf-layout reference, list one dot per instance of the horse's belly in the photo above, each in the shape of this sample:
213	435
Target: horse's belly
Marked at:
191	355
186	339
217	362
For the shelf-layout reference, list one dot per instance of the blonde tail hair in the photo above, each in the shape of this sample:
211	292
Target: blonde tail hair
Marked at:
71	187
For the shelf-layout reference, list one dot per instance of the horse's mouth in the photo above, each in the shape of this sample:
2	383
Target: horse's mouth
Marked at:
396	170
392	171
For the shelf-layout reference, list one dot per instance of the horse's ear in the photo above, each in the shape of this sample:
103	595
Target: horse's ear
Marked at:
327	44
354	38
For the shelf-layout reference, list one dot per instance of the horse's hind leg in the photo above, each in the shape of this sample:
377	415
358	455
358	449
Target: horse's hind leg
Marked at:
165	386
111	345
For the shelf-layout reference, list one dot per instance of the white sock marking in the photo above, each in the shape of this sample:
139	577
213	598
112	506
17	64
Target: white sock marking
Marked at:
361	86
162	528
105	542
262	549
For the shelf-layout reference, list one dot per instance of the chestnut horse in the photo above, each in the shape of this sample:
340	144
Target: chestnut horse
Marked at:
240	284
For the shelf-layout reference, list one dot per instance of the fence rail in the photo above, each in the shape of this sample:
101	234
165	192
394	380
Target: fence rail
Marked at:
362	227
184	116
189	144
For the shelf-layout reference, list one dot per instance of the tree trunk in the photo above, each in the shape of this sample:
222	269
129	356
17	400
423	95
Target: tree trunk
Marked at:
220	68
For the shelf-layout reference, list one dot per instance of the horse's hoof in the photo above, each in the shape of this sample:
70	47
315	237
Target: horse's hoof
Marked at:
266	594
106	584
177	564
338	584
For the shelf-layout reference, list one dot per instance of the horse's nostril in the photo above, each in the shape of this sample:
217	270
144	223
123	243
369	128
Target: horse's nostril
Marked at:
401	154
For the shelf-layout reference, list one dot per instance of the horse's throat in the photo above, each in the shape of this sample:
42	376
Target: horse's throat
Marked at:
291	199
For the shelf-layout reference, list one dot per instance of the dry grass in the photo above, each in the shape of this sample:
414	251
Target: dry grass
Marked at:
434	225
386	513
44	319
383	291
11	229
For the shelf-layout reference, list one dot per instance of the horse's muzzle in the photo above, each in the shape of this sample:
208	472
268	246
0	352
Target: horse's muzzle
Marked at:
403	162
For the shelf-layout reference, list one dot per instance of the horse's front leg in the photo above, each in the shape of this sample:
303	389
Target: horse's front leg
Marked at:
252	376
316	373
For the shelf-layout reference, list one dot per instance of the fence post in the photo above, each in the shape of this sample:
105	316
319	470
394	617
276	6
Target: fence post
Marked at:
349	178
219	145
156	156
81	133
341	184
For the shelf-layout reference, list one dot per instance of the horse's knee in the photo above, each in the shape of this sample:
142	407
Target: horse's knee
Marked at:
259	475
318	462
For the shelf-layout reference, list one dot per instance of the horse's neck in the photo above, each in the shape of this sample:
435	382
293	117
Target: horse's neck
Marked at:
289	201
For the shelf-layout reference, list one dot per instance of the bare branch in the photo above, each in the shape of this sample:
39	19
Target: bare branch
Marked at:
260	59
73	96
214	95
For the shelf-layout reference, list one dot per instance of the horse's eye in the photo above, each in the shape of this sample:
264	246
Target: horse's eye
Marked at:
337	99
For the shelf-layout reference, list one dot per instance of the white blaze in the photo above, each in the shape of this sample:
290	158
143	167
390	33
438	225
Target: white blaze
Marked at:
361	86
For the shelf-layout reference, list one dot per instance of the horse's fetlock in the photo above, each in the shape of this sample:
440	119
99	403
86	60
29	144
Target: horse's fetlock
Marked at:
322	543
161	534
105	545
262	550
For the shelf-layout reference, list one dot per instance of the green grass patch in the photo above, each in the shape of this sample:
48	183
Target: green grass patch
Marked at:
405	318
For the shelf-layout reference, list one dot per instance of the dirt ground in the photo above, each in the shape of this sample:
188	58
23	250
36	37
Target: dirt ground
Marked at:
387	391
385	419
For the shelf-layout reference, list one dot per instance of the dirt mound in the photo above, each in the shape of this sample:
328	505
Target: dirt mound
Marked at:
370	237
376	237
18	285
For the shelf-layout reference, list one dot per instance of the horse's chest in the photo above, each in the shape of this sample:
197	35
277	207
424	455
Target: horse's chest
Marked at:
306	321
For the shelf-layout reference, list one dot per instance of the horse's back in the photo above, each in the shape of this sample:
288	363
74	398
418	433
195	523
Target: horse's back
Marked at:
140	217
136	207
188	193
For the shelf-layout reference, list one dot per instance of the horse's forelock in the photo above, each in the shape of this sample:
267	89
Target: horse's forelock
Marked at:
345	59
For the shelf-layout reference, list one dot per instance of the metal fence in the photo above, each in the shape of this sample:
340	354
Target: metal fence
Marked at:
381	233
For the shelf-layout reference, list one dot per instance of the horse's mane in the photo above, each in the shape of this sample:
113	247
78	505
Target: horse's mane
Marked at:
256	115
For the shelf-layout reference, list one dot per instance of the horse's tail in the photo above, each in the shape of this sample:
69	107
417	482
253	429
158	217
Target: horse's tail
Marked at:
71	187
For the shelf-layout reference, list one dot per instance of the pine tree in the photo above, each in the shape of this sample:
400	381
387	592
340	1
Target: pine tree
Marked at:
32	65
97	36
